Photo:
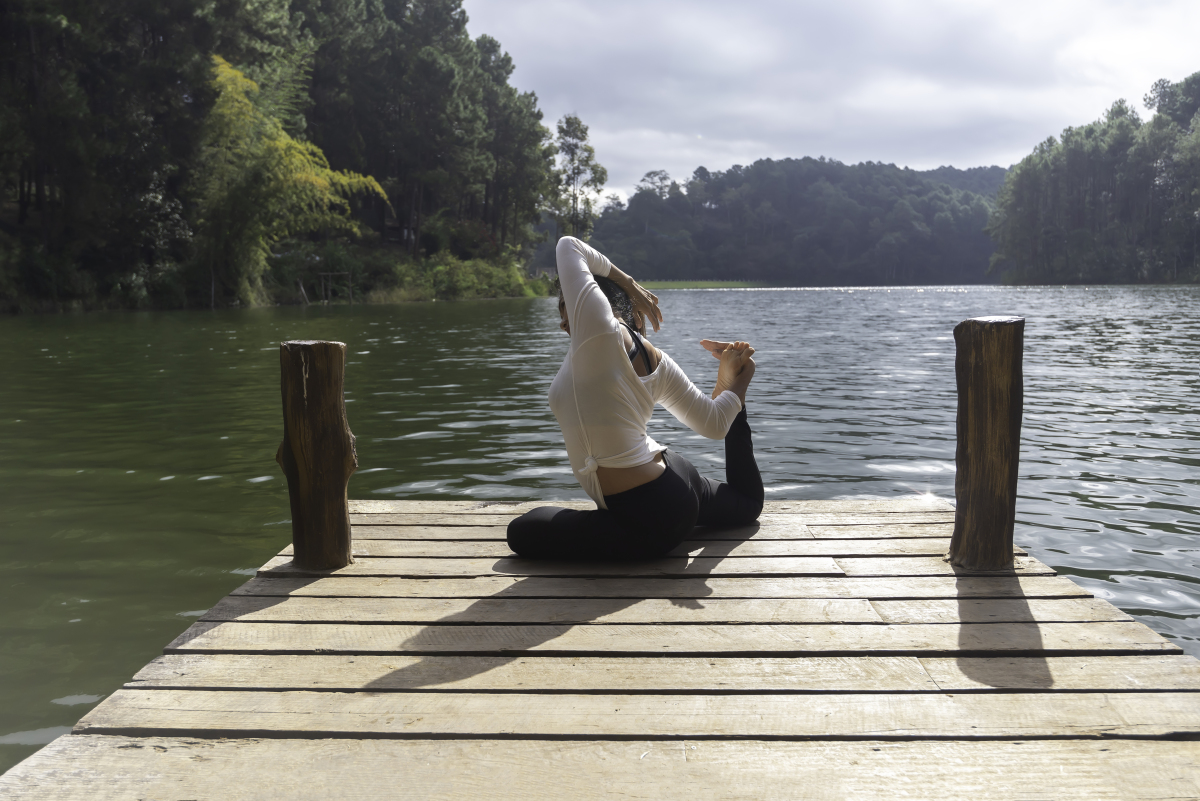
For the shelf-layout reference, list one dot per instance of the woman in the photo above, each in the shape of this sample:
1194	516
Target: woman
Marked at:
648	497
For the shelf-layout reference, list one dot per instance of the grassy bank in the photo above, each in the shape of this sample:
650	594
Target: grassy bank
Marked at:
700	284
382	274
375	273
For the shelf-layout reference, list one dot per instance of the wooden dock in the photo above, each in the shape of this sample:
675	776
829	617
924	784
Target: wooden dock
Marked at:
829	652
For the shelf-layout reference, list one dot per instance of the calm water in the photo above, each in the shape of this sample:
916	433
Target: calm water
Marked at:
139	482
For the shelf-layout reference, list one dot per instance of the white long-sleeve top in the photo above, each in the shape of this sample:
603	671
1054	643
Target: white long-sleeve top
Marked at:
601	403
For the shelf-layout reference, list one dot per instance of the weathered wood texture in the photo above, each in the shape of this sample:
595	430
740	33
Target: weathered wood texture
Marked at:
99	767
317	453
447	611
727	549
967	716
967	639
987	368
916	503
828	652
749	675
500	587
782	566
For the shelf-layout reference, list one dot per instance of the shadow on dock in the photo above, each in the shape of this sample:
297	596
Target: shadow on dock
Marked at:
1020	633
520	638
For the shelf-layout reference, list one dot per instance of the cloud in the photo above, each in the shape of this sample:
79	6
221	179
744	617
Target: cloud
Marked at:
674	84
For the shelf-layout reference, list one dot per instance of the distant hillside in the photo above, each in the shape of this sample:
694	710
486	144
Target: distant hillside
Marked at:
804	222
984	181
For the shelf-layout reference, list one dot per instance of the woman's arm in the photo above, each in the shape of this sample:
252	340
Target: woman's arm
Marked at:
588	311
708	417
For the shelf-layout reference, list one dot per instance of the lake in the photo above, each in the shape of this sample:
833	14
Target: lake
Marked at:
139	482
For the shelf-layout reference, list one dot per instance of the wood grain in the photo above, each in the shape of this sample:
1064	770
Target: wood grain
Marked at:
682	588
965	716
970	639
728	549
998	611
541	674
1066	673
933	566
557	610
855	674
914	503
100	768
674	566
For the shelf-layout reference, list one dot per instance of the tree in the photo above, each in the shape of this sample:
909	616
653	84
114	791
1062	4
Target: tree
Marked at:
256	185
581	178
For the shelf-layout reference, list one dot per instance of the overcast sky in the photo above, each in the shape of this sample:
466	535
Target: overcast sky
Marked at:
675	84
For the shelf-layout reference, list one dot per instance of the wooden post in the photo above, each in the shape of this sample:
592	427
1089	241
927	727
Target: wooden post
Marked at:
987	367
317	453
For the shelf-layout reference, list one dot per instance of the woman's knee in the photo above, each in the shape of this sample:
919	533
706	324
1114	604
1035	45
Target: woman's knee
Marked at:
527	534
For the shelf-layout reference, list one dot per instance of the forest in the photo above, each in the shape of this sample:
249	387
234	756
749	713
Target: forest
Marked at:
806	222
217	153
209	153
1113	201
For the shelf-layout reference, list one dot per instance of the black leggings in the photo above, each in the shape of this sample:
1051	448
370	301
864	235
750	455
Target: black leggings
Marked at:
652	519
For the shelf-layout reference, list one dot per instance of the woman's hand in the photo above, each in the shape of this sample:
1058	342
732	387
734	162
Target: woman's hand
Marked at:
645	302
716	347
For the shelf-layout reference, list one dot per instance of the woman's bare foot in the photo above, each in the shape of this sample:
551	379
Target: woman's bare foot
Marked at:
742	382
734	359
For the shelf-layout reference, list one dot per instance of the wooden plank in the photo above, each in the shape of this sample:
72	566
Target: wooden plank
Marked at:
769	530
440	519
523	674
727	549
102	767
491	517
558	610
854	674
682	588
858	518
912	639
454	533
774	531
998	610
1066	673
672	566
912	503
899	530
876	717
930	566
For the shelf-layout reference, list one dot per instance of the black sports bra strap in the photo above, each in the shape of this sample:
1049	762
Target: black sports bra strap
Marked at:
639	347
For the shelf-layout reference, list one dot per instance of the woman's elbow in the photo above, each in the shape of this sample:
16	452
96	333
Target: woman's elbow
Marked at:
567	246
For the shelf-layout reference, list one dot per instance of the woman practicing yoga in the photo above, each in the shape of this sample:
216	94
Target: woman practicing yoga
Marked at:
649	497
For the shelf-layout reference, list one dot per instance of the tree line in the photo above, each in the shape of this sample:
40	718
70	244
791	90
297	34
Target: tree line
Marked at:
1113	201
806	222
215	152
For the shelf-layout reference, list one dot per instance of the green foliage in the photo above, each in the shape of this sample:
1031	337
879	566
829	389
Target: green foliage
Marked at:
1114	201
130	177
581	177
257	185
387	274
802	222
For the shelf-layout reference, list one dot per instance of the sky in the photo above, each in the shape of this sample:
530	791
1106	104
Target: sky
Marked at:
677	84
